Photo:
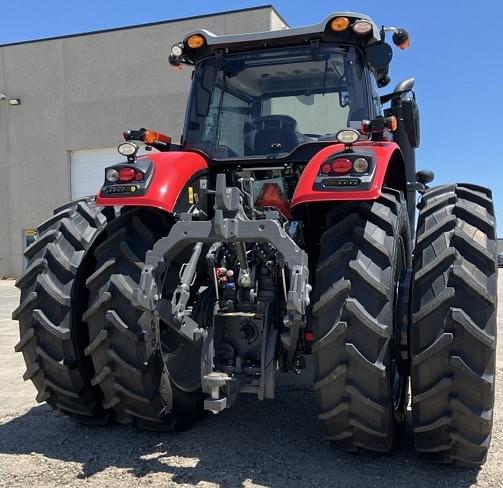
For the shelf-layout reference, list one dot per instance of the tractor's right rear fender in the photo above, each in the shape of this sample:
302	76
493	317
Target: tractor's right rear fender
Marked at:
386	165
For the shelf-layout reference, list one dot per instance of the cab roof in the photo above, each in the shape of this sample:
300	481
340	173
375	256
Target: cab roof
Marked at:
287	36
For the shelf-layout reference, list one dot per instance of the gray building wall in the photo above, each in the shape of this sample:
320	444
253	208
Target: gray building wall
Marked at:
81	92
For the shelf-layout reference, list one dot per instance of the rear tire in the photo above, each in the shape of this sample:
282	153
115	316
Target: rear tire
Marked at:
137	386
360	390
52	337
453	332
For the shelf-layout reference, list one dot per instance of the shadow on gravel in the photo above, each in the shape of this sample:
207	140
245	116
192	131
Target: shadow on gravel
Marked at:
275	444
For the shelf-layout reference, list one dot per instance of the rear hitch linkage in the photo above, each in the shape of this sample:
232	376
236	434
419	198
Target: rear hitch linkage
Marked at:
229	225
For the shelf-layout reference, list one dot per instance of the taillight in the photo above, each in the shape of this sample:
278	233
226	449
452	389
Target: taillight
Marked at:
126	175
340	166
326	168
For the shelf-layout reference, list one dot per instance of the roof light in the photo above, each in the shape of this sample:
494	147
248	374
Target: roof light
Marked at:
362	27
177	50
339	24
196	41
347	136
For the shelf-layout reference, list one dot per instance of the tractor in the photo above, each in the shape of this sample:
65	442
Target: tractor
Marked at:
282	225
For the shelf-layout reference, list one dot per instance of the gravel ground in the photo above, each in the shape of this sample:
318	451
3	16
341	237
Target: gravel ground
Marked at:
272	444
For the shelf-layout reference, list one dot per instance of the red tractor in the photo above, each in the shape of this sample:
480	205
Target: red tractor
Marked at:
282	225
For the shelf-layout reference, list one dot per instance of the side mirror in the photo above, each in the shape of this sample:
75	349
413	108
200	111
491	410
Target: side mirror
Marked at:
410	112
379	56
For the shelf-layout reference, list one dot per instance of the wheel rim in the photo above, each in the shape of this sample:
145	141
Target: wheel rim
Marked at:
182	360
398	380
181	357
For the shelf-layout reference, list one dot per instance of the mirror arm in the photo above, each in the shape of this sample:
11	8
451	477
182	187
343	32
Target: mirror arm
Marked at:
389	96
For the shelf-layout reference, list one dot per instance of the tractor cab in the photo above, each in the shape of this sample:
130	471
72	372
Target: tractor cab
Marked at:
263	96
267	103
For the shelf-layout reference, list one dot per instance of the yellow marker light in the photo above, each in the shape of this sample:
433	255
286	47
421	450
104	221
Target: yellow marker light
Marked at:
196	41
339	24
392	123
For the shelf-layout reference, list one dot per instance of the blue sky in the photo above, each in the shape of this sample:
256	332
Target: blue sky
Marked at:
455	57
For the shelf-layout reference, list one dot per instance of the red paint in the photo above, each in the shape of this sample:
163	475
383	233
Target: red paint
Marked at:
172	172
304	192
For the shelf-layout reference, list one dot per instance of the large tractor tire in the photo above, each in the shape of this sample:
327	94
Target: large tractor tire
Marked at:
361	390
453	332
50	311
141	389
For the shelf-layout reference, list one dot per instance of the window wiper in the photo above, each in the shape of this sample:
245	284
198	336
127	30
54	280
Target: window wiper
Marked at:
325	78
220	111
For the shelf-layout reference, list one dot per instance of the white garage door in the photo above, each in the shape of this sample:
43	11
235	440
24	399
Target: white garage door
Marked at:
88	169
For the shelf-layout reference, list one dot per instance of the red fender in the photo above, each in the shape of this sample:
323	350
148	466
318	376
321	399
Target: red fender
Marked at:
305	193
172	172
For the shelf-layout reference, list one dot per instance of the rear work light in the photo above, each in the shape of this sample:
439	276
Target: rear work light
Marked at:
362	27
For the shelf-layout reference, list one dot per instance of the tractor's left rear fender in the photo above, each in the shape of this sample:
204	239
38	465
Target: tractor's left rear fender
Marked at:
171	183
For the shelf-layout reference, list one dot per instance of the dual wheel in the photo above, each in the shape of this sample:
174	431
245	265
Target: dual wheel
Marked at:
360	387
80	336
